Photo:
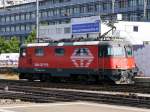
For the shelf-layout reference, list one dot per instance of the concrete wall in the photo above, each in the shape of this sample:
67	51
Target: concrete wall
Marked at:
126	30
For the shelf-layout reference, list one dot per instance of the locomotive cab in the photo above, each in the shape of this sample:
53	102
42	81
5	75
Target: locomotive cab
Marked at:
116	62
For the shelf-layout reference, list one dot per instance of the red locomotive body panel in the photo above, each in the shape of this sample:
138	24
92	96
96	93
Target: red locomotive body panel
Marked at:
116	63
52	60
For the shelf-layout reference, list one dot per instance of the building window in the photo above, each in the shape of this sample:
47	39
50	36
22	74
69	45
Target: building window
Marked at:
148	2
7	18
3	29
3	19
44	14
104	6
67	30
132	3
39	52
69	11
141	2
63	11
22	27
50	12
98	7
27	27
33	15
148	15
123	4
32	27
12	29
59	30
12	18
7	29
91	8
59	51
76	10
135	28
17	17
133	16
17	28
22	17
28	16
55	12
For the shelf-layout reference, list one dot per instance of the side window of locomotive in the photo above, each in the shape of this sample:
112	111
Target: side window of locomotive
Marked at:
128	51
39	52
116	51
102	51
60	51
23	52
81	52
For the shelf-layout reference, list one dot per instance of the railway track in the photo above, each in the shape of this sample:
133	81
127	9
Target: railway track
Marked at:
92	87
60	92
42	95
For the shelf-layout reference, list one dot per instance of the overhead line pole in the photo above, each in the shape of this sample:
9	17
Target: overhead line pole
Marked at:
145	8
113	6
4	4
37	20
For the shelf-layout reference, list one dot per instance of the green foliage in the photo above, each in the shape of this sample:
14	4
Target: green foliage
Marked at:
2	45
31	38
9	46
12	45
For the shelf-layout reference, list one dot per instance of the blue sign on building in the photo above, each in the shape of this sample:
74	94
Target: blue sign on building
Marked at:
88	25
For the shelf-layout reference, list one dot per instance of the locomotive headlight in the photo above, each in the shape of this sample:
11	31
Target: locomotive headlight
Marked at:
23	54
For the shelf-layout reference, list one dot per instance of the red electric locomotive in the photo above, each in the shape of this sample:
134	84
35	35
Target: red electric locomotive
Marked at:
96	60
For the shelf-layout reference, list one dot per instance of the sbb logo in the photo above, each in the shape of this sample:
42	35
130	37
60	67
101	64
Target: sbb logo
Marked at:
82	57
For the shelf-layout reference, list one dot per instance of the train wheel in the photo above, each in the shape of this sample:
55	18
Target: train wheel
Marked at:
45	77
30	78
55	80
82	79
21	76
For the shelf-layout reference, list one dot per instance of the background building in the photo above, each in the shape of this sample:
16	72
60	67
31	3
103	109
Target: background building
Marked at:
19	20
4	3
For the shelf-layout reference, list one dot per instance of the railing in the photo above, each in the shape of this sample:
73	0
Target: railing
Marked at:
48	6
73	2
15	33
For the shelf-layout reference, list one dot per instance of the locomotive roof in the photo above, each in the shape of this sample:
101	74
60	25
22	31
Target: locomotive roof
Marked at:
76	43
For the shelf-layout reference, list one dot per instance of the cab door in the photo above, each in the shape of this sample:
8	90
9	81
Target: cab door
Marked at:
104	59
29	57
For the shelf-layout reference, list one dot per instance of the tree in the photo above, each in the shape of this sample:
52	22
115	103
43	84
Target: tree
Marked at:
31	38
9	46
13	45
2	45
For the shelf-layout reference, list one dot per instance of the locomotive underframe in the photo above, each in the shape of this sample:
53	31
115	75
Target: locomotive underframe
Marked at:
118	76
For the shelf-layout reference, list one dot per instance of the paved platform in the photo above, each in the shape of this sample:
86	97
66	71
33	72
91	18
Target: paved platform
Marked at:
70	107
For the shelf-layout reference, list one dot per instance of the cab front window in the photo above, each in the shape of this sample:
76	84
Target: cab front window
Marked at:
116	51
111	51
